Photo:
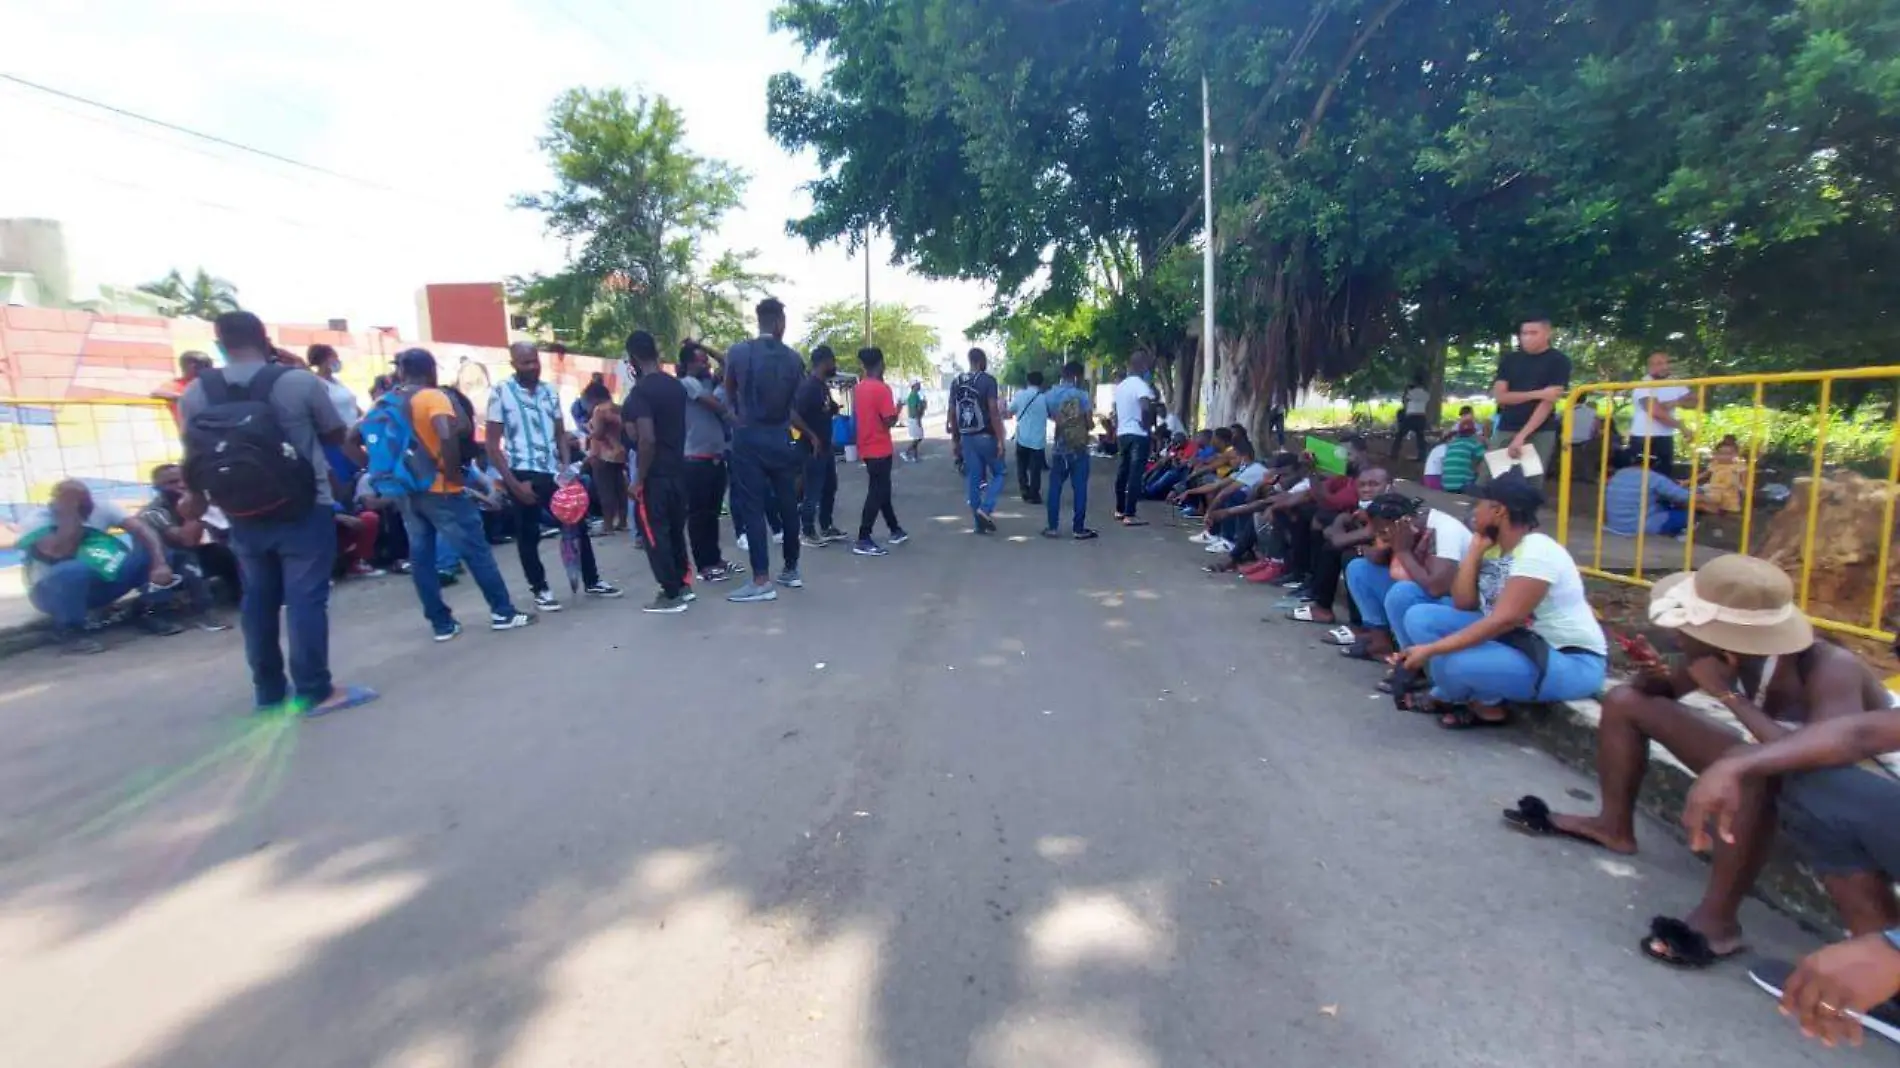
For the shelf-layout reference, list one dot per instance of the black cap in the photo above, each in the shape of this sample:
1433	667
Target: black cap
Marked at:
1515	492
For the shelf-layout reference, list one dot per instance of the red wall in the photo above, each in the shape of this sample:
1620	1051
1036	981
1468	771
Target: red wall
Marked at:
466	313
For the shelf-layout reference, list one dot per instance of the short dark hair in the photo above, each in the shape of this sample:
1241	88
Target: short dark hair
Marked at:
1244	448
979	356
871	358
1035	378
1538	315
688	349
1073	369
1224	434
241	330
822	352
416	363
1467	410
160	470
641	348
770	307
318	353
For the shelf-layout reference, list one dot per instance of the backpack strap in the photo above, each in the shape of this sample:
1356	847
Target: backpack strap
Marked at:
217	390
259	387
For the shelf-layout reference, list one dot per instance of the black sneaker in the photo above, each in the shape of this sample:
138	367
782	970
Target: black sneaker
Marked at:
716	573
447	578
898	537
449	635
811	540
544	601
1085	534
511	621
664	605
603	588
834	534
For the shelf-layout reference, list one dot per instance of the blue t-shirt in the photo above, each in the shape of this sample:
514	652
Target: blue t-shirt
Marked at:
1031	409
1623	500
1052	404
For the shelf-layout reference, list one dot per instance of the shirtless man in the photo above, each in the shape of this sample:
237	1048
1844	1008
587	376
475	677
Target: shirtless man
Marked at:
1746	644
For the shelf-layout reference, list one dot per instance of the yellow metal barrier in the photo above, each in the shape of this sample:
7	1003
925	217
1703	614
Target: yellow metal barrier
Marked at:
111	444
1825	380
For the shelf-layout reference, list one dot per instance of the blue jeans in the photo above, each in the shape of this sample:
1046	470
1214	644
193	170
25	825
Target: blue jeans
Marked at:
68	590
1073	468
437	519
765	466
982	460
1231	527
1675	521
821	490
1384	601
285	569
1162	484
1491	673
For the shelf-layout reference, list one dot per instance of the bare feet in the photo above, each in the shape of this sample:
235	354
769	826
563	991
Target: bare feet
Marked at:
1592	828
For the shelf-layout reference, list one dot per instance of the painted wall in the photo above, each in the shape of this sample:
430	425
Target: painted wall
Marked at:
467	313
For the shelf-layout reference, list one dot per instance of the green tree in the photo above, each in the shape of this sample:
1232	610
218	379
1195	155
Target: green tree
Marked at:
202	296
907	342
637	209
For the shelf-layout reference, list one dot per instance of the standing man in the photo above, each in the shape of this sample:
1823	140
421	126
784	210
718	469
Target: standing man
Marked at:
1654	423
1069	408
253	446
1412	405
976	418
656	410
813	403
524	419
914	406
1134	414
1528	385
704	471
445	513
876	412
1032	434
762	378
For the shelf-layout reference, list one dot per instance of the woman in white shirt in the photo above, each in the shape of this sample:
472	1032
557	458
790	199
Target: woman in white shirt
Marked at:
1480	650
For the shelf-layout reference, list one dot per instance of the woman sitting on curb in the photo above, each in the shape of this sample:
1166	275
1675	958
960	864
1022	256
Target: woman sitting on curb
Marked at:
1519	627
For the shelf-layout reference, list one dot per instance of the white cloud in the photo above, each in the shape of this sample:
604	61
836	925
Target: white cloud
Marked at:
437	106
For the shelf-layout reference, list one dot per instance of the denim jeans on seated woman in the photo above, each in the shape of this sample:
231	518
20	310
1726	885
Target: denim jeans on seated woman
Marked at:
1491	673
1384	601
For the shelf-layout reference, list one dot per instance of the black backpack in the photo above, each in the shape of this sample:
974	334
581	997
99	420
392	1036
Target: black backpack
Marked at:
237	455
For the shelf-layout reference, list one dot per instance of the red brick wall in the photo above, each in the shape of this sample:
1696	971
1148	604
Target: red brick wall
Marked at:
467	313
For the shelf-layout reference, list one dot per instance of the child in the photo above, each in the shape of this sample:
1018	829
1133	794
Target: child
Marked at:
1463	453
1722	487
1435	466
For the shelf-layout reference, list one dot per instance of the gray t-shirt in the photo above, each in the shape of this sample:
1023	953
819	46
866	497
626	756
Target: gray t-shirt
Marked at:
705	431
303	409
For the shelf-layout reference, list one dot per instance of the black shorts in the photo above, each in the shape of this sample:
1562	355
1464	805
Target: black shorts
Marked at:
1844	820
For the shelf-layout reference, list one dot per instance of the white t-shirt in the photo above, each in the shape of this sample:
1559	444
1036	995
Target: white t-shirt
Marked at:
343	399
1641	425
1129	394
1564	617
1435	460
1416	400
1251	475
1450	538
1175	425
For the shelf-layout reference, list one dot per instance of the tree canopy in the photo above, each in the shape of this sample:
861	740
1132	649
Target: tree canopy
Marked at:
906	341
1395	180
202	296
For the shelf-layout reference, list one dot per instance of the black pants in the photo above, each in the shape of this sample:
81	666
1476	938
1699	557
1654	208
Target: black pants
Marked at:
705	482
528	533
1662	453
1299	541
661	508
1413	426
877	498
1328	563
1029	467
1130	469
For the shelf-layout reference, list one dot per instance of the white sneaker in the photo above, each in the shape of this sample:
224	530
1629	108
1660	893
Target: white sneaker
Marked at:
743	547
1201	538
1219	545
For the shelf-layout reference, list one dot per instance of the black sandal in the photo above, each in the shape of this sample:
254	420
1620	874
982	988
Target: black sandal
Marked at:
1532	817
1359	650
1463	718
1675	943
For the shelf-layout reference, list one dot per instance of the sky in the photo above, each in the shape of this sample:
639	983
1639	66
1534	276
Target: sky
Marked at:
429	111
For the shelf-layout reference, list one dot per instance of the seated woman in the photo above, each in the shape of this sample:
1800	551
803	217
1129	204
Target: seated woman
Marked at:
1414	557
1519	627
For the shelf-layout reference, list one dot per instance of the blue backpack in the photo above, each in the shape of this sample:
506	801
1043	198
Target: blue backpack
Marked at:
398	464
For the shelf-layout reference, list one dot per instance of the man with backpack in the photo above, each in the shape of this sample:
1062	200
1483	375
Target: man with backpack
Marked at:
762	376
976	417
254	432
414	437
1069	409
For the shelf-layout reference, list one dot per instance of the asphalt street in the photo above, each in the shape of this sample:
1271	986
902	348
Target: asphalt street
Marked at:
988	801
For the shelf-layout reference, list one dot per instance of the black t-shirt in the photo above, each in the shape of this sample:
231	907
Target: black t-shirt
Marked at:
660	397
1523	373
812	402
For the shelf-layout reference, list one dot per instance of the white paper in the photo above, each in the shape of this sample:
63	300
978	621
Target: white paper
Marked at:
1499	461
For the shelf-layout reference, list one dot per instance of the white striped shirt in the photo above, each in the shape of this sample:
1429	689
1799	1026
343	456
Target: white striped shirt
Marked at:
528	420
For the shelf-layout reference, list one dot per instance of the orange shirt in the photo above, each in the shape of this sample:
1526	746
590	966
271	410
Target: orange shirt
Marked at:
873	408
424	407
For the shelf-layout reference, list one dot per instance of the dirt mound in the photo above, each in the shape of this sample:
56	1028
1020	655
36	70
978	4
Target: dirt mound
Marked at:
1841	584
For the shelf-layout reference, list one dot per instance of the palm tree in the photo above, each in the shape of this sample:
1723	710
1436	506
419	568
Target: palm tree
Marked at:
202	297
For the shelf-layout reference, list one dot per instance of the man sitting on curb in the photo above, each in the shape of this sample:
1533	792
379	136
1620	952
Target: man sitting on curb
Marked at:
1746	644
75	564
1222	526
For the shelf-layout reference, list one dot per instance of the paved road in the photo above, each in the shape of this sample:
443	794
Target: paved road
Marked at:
985	802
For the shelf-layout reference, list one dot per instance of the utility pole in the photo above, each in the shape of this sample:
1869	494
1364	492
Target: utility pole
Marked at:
1207	256
867	285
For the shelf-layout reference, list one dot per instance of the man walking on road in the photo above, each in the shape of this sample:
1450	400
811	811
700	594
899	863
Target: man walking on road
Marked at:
914	406
656	410
1032	433
445	513
976	418
281	525
1134	413
814	407
762	378
524	419
876	412
1069	408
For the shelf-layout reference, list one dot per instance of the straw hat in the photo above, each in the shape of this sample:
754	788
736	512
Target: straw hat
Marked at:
1739	604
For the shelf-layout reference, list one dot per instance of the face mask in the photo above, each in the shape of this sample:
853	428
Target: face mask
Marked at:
1363	505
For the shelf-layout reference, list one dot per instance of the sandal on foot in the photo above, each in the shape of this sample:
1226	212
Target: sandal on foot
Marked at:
1675	943
1358	650
1304	614
341	701
1341	636
1532	817
1464	719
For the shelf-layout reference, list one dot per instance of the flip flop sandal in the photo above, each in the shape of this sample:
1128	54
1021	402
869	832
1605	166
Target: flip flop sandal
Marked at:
1341	636
1464	719
1128	522
1400	680
353	697
1304	614
1532	817
1679	945
1358	650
